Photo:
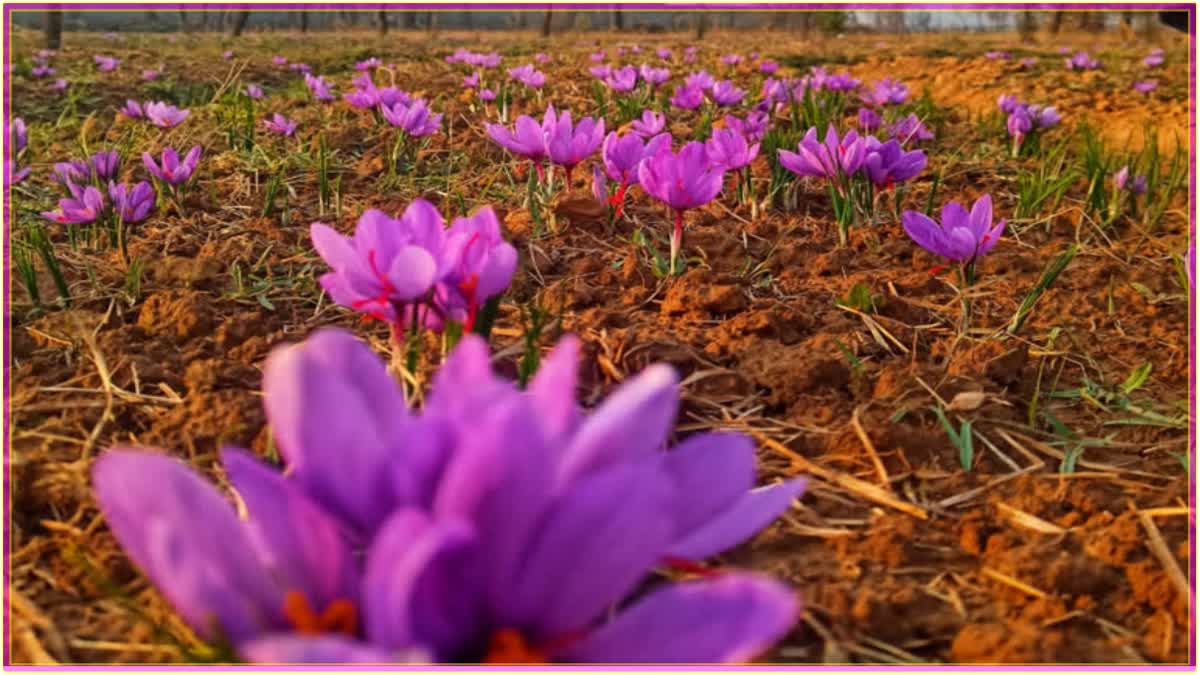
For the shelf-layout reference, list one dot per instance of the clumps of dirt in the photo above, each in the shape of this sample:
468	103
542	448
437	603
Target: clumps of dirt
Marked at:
1002	363
701	290
178	313
208	418
788	372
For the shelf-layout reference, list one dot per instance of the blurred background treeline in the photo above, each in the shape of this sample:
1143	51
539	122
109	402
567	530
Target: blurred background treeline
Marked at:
329	17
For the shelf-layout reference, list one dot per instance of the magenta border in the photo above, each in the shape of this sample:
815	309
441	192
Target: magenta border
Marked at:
649	6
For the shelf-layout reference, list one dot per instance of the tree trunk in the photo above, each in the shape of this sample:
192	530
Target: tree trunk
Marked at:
618	20
701	24
1056	23
54	29
239	24
429	22
546	23
1026	26
410	19
303	21
383	27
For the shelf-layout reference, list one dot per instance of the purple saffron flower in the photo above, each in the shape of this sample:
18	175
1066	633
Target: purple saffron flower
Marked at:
600	72
681	181
528	76
300	68
395	269
729	150
598	56
962	237
106	64
541	58
19	135
909	128
132	110
649	124
227	54
731	59
254	91
622	80
152	74
768	67
1019	125
42	71
1043	117
689	55
997	55
1082	61
414	118
73	171
623	156
83	206
840	82
368	64
753	128
105	165
886	92
132	205
724	93
700	80
487	95
164	115
290	570
489	60
655	76
278	124
1121	180
17	175
1153	60
528	138
868	120
687	98
887	163
319	87
1145	86
833	158
568	143
663	53
1009	103
279	60
471	81
59	85
173	171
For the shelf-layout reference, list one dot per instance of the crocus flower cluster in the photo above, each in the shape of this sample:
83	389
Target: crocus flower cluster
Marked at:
319	87
1122	183
106	64
564	142
1145	86
623	156
1082	61
366	96
1156	58
621	80
412	271
1025	119
101	167
431	536
649	124
84	205
655	77
132	205
886	92
41	64
413	118
909	129
725	93
528	75
474	59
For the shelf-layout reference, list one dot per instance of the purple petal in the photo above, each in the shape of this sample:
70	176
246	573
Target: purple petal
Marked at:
303	547
597	542
153	504
553	388
730	619
632	423
738	522
924	231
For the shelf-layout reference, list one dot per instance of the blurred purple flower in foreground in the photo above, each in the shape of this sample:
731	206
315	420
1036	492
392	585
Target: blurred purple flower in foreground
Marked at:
455	564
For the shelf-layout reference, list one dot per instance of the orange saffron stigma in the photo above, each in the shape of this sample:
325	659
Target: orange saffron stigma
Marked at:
508	646
339	616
